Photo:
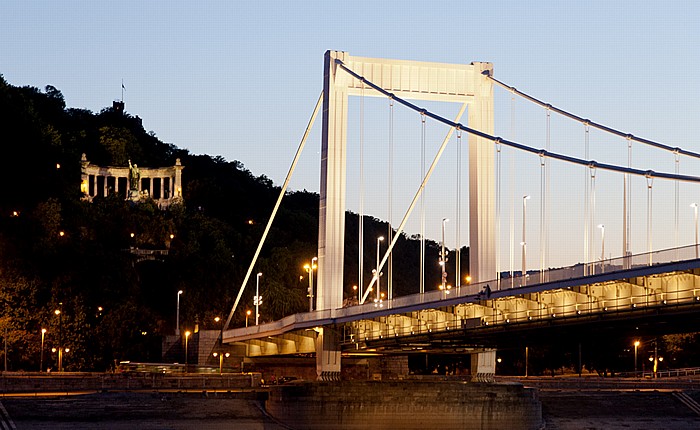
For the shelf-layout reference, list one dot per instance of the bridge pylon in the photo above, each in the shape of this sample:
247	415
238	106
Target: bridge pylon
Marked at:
460	83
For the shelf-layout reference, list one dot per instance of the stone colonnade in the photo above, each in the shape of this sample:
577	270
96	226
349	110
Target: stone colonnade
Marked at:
162	184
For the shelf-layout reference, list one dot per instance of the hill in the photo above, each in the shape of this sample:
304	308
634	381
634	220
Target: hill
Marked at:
59	252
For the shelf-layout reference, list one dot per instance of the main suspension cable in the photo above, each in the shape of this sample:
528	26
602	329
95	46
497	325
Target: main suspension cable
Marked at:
520	146
594	124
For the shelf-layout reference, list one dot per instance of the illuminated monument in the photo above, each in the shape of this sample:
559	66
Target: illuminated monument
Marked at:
162	184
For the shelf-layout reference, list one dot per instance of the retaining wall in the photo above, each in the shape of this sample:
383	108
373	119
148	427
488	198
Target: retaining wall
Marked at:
30	383
405	405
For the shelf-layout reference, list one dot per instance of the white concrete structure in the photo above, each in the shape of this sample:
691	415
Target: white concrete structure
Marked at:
162	184
459	83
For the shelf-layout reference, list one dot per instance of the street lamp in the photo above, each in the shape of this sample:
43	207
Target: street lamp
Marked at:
60	354
443	258
257	301
354	289
695	210
221	330
59	314
177	324
379	239
247	314
602	247
524	241
187	338
636	345
310	268
41	355
221	360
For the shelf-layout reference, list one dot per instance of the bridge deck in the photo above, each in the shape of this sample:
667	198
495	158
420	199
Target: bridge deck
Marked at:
633	285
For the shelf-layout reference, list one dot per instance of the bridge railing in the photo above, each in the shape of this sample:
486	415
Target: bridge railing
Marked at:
478	292
578	301
579	270
611	265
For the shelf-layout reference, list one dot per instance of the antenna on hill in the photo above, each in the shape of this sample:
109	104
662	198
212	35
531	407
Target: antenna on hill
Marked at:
123	90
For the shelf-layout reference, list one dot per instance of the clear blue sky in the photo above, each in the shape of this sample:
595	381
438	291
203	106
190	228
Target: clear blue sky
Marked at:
239	79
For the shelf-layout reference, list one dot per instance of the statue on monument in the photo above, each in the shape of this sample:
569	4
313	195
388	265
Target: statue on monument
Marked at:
134	178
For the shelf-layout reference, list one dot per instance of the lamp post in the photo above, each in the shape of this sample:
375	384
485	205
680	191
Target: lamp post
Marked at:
258	300
636	345
221	356
524	242
602	247
59	314
247	314
443	260
41	355
354	289
695	210
310	268
177	318
221	330
187	338
379	290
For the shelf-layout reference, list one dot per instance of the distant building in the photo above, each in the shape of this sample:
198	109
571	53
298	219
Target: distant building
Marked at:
118	107
162	184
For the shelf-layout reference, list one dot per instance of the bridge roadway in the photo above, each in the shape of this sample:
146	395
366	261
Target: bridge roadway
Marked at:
662	286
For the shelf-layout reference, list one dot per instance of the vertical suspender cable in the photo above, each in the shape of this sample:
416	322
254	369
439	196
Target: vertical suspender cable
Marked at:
542	213
547	202
390	233
512	189
629	196
585	202
458	240
422	205
499	181
676	183
626	205
361	215
591	224
650	184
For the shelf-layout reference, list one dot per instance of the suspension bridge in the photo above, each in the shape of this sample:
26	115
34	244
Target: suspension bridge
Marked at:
496	299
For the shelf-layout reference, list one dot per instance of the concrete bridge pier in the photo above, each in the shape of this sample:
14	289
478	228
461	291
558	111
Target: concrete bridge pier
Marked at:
327	354
483	366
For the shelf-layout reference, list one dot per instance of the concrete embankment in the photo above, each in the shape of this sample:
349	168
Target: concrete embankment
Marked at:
405	405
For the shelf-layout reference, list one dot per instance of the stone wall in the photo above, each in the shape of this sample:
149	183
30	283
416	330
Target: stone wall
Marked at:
405	405
68	382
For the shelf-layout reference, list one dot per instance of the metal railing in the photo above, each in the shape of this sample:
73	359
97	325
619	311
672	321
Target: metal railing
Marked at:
502	288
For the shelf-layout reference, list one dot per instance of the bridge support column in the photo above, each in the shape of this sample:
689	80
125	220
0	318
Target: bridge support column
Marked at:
484	366
331	219
327	355
482	196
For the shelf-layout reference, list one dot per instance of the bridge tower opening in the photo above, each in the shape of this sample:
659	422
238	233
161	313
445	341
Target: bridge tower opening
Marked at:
457	83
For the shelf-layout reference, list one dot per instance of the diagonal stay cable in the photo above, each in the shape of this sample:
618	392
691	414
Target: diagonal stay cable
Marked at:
282	193
541	152
595	124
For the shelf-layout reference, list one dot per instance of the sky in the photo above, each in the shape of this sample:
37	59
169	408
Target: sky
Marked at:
240	79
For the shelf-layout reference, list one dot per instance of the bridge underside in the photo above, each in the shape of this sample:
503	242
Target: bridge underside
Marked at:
660	299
